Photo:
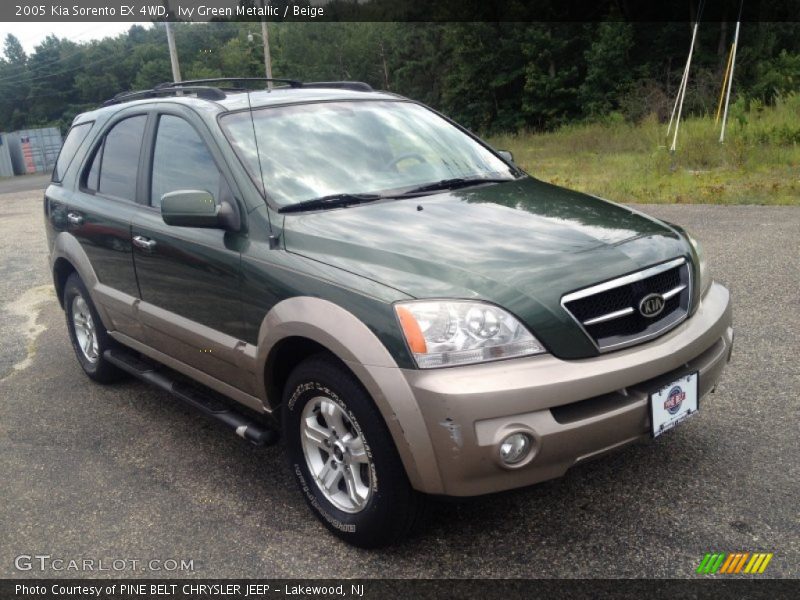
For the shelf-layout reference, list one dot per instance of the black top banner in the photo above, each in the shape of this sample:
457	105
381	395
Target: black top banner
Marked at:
399	10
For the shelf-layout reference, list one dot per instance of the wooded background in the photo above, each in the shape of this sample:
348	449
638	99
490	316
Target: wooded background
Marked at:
491	77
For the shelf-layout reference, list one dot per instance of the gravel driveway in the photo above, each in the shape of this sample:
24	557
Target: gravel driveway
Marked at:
128	472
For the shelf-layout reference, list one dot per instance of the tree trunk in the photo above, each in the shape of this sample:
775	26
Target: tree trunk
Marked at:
667	85
385	68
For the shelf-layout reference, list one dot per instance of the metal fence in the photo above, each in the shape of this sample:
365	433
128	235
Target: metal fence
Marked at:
6	166
33	150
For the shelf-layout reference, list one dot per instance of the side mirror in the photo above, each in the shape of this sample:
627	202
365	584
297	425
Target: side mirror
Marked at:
506	155
190	208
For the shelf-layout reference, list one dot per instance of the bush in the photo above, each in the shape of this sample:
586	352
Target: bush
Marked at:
628	162
645	99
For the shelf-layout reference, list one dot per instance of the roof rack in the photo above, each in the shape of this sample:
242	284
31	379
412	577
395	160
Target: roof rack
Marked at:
290	82
205	92
357	86
199	88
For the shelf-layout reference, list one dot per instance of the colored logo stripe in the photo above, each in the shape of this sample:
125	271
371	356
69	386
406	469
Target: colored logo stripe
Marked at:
733	563
758	563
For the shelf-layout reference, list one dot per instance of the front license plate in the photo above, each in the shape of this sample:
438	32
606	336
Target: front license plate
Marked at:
673	404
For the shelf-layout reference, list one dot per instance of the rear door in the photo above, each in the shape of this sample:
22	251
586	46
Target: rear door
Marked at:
99	210
189	278
58	194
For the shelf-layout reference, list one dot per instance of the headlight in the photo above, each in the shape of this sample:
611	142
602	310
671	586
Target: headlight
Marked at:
459	332
705	275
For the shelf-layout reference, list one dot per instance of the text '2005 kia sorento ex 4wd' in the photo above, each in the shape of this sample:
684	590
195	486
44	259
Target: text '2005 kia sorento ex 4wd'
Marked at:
415	313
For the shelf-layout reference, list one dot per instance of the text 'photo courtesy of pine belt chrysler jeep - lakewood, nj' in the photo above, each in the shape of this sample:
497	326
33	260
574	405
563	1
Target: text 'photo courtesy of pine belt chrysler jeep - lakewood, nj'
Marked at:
414	314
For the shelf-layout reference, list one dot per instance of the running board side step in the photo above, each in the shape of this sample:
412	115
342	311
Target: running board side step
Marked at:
206	402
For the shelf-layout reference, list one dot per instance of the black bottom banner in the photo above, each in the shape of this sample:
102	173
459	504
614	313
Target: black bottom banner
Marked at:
378	589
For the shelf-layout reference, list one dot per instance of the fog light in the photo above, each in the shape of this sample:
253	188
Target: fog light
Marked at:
515	448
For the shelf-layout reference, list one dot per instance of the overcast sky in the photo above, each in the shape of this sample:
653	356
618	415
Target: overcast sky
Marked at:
31	34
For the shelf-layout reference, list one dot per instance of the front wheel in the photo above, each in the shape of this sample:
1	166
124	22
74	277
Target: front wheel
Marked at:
343	457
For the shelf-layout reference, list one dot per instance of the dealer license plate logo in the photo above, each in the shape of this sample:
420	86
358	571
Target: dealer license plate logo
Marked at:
673	403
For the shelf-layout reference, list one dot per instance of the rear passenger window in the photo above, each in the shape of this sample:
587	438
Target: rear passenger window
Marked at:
72	142
181	161
116	162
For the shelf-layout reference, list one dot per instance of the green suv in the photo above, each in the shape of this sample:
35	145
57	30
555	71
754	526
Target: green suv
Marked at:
417	315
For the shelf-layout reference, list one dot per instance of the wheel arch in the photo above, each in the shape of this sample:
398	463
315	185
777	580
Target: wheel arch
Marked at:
62	269
67	257
282	359
300	326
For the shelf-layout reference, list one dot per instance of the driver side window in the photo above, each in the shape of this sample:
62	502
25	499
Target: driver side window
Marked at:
181	161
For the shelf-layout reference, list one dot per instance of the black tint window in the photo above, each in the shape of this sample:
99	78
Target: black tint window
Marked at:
120	159
181	161
71	144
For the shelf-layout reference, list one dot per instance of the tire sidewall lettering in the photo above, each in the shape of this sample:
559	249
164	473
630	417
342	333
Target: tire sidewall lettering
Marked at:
312	499
294	405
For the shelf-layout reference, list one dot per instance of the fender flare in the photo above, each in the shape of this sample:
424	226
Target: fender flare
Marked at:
348	338
67	247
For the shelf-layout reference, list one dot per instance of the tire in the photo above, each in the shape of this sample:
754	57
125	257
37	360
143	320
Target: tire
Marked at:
88	335
320	397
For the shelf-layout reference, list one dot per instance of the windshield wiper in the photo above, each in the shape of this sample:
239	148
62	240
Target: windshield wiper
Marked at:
331	201
451	184
339	200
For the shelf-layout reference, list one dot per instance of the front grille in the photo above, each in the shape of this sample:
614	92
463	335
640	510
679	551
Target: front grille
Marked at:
609	312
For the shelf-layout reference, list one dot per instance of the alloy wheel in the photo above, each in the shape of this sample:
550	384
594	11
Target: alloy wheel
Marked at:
336	455
85	330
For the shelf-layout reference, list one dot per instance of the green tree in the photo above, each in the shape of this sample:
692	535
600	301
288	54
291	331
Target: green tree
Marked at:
552	75
489	76
14	84
609	73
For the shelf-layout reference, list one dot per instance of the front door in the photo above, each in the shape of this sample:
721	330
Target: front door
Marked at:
189	278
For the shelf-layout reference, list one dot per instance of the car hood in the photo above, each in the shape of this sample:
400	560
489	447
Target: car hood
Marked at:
521	244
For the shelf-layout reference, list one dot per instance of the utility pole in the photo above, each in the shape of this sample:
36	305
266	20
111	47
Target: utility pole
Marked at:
682	90
173	52
265	39
730	78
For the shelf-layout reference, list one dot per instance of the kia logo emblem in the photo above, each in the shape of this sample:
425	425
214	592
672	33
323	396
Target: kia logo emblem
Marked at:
651	305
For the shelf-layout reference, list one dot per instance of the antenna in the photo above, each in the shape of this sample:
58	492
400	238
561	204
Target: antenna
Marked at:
273	240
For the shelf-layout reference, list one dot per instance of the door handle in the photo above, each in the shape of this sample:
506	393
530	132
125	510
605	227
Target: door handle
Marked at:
74	218
144	243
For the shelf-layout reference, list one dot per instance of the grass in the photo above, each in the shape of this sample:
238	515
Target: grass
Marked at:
759	163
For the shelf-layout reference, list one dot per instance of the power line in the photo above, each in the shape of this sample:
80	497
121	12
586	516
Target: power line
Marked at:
40	68
78	68
28	39
44	66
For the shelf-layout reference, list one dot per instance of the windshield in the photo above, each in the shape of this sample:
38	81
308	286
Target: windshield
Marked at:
309	151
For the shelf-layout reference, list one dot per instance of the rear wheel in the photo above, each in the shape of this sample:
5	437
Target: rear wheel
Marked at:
343	458
86	332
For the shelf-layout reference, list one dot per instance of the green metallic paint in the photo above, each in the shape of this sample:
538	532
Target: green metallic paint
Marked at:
521	245
192	272
272	275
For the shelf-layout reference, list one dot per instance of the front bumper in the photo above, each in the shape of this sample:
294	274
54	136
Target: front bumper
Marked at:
573	410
